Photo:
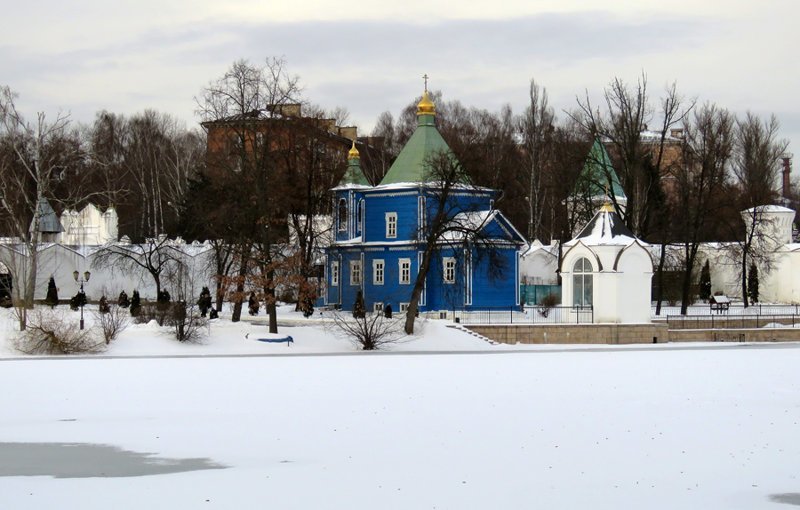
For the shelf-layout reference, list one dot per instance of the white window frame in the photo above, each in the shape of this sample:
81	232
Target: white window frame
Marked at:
378	270
335	273
342	224
355	272
467	276
582	282
449	273
400	271
404	307
391	225
377	307
360	215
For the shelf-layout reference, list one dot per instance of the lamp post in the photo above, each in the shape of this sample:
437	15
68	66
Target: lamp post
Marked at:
78	279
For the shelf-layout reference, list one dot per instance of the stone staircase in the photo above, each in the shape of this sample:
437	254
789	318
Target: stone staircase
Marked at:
464	329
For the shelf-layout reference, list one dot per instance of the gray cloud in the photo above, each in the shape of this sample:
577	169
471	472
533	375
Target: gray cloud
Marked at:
372	66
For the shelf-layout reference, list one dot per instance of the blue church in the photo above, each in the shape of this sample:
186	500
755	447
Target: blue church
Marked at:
379	235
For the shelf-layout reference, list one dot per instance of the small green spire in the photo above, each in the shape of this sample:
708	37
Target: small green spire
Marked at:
354	175
598	177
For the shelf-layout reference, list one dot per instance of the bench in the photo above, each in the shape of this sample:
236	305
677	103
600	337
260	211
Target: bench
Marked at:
719	304
287	339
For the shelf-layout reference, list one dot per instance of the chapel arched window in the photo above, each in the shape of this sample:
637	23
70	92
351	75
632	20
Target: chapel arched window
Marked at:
582	280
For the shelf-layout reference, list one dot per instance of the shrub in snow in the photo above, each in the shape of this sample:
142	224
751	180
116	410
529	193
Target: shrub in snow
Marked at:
77	301
50	332
188	324
359	310
123	301
158	312
102	305
204	303
307	306
112	322
163	299
752	284
367	332
547	304
136	304
52	293
252	304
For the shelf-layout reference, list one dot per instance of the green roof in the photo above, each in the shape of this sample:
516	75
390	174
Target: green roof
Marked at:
48	219
598	177
411	163
354	176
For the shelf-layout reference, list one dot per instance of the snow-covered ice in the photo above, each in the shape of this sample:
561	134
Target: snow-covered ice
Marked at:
644	427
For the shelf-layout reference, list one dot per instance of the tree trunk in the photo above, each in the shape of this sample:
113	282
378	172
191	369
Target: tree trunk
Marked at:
660	278
237	302
687	285
419	285
744	278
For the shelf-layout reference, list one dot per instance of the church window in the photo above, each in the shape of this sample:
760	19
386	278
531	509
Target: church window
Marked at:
360	215
421	216
391	225
342	213
405	271
334	273
449	269
582	283
377	272
355	272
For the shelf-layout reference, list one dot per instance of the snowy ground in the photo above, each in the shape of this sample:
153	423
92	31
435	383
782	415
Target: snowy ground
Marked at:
645	427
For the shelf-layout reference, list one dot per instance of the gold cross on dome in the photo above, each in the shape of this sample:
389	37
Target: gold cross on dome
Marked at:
425	77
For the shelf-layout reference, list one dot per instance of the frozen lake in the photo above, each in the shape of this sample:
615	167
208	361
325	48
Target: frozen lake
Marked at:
615	428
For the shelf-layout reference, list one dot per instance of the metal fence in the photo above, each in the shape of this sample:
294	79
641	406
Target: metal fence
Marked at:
715	320
733	310
526	315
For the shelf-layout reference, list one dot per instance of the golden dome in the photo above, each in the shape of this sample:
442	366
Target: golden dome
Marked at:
426	106
353	152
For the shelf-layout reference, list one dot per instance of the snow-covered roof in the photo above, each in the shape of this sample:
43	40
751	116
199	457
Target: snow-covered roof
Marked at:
655	136
429	185
347	186
770	208
537	247
605	228
475	221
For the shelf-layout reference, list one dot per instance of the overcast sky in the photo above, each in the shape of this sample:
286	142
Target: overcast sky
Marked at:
83	56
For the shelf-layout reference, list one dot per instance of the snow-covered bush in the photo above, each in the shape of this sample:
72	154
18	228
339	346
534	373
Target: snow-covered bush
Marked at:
112	323
188	322
370	332
52	332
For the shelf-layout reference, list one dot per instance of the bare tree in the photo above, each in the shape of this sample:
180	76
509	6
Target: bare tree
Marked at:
445	225
757	154
536	126
244	113
673	111
701	183
34	157
160	258
628	112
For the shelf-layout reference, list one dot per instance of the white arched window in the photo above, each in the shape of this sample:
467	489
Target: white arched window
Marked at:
582	282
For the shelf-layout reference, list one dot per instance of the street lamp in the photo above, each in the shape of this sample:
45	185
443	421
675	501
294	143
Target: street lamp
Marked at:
78	279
